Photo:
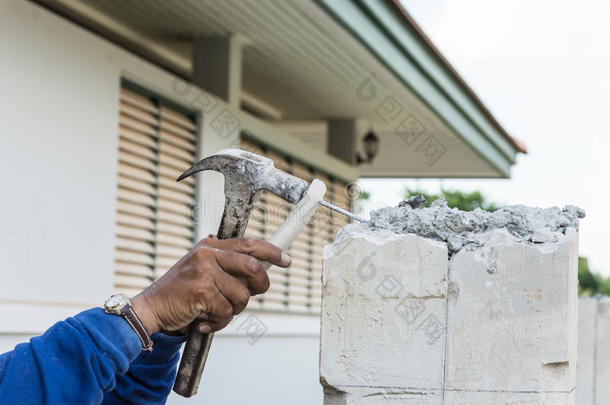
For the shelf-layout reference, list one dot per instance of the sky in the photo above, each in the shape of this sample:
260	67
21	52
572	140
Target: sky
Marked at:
543	68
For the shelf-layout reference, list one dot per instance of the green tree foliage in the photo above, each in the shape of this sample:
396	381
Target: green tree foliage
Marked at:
588	283
364	195
604	288
457	199
591	283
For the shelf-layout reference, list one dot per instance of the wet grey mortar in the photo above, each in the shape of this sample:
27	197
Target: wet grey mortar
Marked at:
463	229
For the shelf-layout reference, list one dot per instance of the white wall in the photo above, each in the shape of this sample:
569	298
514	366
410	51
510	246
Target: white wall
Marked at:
58	153
279	368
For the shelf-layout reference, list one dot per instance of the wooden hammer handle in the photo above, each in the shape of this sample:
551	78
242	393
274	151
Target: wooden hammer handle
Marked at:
193	361
198	344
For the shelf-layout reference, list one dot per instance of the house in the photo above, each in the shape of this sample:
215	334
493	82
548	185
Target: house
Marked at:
105	103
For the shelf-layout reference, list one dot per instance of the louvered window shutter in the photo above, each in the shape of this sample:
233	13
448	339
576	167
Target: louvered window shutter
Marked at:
153	229
298	288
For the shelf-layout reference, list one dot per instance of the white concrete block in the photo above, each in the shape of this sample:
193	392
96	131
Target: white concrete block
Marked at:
402	323
383	313
585	364
593	370
381	396
602	353
508	398
512	316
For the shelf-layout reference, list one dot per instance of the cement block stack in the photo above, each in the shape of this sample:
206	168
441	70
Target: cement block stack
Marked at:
452	308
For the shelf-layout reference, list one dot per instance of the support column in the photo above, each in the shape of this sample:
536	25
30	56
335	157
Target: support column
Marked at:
217	67
402	323
344	137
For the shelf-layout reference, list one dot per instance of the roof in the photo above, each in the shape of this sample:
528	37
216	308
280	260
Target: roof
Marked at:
413	25
303	64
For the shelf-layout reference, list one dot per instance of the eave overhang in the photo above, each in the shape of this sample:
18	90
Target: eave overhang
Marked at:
388	32
303	65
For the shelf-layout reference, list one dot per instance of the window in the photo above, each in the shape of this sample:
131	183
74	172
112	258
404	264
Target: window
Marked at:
157	142
298	288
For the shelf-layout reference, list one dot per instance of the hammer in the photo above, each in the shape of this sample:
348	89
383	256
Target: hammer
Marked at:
245	176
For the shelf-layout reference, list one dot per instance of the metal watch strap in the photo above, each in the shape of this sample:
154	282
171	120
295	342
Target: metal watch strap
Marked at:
132	319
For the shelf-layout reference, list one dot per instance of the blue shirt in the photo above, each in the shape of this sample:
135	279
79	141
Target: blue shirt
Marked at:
92	358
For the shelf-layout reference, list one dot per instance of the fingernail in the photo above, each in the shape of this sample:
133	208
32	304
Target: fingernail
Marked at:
286	259
205	329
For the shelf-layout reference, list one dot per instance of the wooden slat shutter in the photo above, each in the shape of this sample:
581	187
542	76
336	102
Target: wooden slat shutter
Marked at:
298	288
153	228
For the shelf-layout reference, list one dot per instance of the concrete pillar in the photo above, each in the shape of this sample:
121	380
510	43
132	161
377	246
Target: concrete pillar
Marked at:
602	353
585	367
513	323
593	371
404	323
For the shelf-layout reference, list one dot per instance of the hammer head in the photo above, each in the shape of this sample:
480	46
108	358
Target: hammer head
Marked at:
246	174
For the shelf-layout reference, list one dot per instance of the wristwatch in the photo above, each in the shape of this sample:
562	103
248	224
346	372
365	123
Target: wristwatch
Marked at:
119	304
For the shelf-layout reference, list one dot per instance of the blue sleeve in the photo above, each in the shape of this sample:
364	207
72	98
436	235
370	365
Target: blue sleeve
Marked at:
77	360
151	376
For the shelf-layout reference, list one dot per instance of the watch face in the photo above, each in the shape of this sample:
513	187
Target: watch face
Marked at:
116	301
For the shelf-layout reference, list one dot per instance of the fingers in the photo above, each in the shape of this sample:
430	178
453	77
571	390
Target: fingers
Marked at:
259	249
234	291
234	261
214	324
215	302
227	297
243	266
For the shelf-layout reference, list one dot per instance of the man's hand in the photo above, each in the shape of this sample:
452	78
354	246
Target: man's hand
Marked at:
213	282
